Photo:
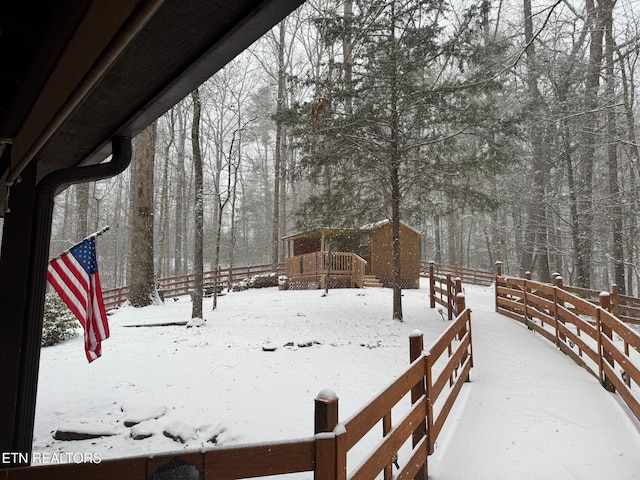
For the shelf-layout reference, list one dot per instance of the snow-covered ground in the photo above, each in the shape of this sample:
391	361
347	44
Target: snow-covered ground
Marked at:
217	381
218	376
531	413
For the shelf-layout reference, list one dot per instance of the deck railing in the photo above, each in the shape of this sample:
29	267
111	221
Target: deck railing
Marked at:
318	267
431	383
588	333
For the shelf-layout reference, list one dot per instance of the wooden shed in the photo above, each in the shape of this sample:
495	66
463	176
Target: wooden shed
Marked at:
348	258
380	255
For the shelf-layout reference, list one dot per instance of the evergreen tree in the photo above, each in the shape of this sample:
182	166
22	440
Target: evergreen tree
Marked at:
412	120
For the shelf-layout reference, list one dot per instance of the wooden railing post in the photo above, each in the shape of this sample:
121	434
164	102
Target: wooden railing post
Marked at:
326	411
331	449
432	285
460	307
450	298
495	281
557	283
460	303
416	347
525	288
603	353
615	300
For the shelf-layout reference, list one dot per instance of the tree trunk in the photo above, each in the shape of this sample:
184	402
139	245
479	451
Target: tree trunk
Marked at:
395	179
634	154
535	239
275	252
198	211
82	211
587	154
347	48
164	203
178	253
142	282
612	151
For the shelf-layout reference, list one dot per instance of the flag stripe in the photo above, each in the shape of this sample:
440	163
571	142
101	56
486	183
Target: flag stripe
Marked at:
67	283
71	300
74	275
73	291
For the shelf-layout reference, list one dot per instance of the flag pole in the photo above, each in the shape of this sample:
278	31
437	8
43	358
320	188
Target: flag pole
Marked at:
93	235
98	233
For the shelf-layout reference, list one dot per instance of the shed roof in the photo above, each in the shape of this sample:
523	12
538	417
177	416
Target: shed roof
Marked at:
363	229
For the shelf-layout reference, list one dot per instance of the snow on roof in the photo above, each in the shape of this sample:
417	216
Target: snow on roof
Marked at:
375	225
365	228
318	230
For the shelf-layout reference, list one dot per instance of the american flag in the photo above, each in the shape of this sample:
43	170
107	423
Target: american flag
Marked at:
74	275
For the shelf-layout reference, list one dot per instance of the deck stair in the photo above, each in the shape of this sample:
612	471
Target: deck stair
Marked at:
372	281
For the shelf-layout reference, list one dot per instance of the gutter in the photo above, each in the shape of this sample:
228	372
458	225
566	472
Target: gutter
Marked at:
47	189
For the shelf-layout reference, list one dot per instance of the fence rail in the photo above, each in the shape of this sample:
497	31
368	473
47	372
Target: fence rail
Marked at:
432	381
624	307
184	284
443	290
467	275
589	333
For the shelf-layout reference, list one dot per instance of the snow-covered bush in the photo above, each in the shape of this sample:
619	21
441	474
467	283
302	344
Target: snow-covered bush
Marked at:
59	323
257	281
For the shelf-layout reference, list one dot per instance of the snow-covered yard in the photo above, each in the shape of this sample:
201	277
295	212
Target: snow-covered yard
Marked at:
217	379
529	411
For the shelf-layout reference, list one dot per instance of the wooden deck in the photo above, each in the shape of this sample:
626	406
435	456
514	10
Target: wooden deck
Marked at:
314	270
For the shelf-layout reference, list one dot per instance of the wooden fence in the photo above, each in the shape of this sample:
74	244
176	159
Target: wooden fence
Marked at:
184	284
443	290
624	307
431	384
467	275
590	334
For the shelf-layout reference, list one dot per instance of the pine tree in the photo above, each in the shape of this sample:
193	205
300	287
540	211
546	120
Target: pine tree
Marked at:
409	122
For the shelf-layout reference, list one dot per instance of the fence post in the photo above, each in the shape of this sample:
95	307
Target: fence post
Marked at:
326	411
603	353
416	346
527	277
460	303
460	306
325	421
432	285
450	298
495	281
615	300
560	336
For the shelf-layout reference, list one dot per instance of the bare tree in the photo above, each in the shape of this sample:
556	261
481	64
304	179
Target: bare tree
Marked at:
179	260
535	238
198	210
141	273
612	149
82	210
278	165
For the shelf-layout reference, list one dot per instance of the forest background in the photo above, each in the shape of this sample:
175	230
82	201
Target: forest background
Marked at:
501	130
